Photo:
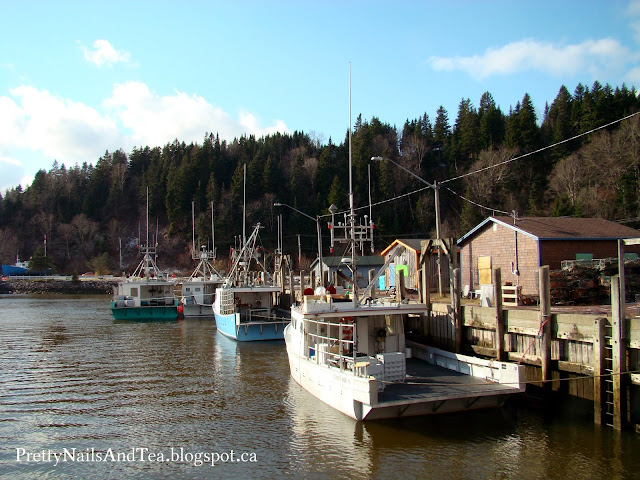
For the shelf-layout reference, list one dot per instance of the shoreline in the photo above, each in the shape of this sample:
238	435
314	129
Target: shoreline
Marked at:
45	286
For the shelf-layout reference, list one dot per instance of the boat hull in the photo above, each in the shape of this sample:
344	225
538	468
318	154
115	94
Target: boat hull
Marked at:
160	312
9	270
230	326
197	311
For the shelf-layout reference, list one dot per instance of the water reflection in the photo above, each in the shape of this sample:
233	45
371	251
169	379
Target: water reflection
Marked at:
323	439
72	377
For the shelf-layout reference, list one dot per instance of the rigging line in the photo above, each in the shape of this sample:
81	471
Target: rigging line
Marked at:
540	149
380	202
477	204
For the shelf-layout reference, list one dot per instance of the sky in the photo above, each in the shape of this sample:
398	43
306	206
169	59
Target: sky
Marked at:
81	78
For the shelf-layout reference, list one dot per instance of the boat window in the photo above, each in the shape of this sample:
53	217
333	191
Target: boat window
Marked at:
134	291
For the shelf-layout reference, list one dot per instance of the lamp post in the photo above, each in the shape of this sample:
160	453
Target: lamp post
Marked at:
317	220
436	192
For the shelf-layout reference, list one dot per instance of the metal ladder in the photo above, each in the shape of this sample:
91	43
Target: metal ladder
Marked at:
608	410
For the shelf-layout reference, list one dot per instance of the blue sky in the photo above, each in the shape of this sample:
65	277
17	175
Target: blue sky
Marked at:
80	78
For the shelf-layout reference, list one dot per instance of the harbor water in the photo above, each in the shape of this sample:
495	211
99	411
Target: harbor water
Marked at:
84	396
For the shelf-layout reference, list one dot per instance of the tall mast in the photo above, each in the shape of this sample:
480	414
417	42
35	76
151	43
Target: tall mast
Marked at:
193	231
147	216
244	206
213	234
352	215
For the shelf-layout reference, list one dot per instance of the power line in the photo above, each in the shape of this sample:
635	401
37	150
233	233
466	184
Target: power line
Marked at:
477	204
540	149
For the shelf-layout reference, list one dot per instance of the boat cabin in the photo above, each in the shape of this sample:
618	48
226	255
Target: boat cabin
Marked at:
139	294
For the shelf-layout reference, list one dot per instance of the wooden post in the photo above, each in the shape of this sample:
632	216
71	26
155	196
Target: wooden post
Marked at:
618	355
426	285
545	322
456	303
372	274
292	288
598	369
313	280
497	297
623	291
399	285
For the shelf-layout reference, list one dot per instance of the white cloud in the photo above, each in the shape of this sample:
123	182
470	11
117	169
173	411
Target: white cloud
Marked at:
156	120
36	127
59	128
103	53
593	56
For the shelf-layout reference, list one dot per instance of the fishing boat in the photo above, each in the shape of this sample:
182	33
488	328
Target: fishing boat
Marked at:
199	290
354	357
147	294
351	352
19	268
246	305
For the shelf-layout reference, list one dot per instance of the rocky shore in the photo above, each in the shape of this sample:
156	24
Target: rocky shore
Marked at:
40	286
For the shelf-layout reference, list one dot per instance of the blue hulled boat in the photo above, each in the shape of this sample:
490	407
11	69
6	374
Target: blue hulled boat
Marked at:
245	306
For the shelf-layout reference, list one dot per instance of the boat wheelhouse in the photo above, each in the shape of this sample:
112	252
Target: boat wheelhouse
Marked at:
246	305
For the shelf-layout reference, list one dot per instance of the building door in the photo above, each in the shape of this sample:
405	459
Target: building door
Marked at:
484	270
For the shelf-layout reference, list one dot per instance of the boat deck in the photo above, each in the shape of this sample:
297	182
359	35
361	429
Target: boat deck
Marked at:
435	389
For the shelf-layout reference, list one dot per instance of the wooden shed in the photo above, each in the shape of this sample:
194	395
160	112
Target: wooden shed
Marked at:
519	247
407	259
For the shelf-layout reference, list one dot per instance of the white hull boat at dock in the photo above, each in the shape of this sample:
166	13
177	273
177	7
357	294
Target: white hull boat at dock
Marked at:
354	358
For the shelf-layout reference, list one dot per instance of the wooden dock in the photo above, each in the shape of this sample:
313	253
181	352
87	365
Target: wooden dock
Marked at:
592	355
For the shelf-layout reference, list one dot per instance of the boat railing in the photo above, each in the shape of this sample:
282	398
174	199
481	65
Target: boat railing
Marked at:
261	315
129	301
336	351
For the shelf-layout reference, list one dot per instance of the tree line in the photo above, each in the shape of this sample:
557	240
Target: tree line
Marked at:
487	161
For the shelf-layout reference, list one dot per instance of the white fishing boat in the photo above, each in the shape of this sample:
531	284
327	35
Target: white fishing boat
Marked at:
147	294
354	357
198	292
352	354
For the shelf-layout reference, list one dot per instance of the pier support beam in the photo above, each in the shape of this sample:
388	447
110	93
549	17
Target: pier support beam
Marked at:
497	298
545	326
456	304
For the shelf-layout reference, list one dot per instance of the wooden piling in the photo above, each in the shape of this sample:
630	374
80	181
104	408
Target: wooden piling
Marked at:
372	274
545	324
292	288
426	296
400	285
456	304
497	296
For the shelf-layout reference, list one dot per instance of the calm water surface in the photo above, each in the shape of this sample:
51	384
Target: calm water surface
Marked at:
154	400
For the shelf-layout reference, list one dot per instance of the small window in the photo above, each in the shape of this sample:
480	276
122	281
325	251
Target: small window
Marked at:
134	291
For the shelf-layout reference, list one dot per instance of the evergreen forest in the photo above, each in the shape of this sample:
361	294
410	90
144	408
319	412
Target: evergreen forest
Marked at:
581	159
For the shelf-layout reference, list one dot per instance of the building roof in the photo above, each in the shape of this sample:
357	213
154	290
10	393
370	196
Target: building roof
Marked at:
560	228
411	243
367	261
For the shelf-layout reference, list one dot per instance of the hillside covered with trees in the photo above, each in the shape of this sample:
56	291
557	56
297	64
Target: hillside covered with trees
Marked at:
88	211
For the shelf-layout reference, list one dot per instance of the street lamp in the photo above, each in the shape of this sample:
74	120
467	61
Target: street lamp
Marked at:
436	193
317	220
